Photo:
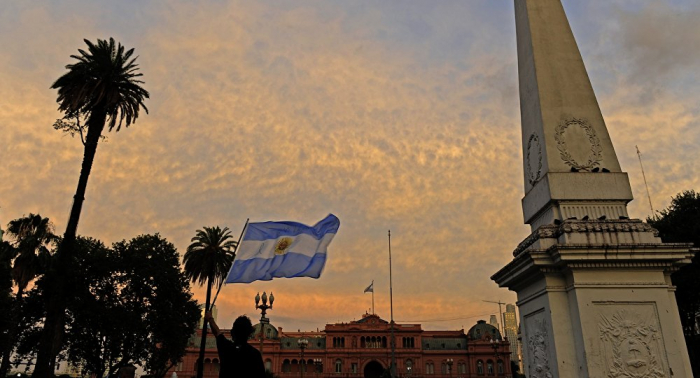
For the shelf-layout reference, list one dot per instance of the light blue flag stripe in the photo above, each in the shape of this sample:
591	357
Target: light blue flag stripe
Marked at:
274	230
286	266
303	254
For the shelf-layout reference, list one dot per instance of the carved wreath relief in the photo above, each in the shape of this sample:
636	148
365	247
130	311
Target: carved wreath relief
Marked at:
594	153
534	159
538	347
631	345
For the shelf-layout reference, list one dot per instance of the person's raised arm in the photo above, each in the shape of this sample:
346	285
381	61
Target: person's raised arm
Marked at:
210	318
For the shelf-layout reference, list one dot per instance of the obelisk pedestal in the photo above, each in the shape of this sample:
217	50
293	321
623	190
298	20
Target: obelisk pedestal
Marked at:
594	290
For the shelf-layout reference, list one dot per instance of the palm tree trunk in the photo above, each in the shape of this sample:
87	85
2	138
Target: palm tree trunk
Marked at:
58	274
203	342
12	335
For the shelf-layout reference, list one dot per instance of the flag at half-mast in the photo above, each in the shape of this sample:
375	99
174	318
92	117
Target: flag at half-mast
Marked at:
370	288
282	250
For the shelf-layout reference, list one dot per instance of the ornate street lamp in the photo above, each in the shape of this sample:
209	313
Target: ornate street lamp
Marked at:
318	363
303	343
263	310
449	366
495	344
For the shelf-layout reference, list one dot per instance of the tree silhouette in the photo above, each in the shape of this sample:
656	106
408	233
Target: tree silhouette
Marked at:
31	236
103	87
208	259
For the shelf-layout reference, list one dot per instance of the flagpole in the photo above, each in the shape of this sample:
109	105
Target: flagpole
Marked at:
234	257
373	297
392	368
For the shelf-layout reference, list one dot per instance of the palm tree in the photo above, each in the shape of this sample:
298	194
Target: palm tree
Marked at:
208	260
31	236
103	87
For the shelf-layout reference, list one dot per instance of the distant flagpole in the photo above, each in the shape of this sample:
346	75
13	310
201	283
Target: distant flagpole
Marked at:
373	313
392	368
234	257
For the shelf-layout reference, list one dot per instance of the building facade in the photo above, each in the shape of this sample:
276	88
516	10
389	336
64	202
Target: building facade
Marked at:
362	348
510	326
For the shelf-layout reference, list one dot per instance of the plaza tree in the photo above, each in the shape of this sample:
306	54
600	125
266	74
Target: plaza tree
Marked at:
104	89
132	305
680	223
208	260
7	254
30	237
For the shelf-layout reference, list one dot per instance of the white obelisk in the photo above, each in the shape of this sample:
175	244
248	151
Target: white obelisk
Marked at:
594	287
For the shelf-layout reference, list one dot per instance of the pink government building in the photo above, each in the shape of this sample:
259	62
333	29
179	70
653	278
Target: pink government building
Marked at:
362	349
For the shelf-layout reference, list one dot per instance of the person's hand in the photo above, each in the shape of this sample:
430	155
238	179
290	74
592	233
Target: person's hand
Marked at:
208	316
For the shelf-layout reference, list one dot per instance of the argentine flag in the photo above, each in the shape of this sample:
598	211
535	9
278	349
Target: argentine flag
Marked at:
282	249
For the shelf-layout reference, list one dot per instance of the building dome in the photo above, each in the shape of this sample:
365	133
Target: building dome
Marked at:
484	330
270	332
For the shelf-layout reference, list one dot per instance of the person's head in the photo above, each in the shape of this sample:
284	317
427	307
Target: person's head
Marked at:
242	328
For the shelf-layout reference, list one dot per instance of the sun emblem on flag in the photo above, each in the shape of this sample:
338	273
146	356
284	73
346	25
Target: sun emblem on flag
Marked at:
282	245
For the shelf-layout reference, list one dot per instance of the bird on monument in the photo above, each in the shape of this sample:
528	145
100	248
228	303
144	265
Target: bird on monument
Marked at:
573	169
557	222
605	170
624	217
596	169
602	217
585	218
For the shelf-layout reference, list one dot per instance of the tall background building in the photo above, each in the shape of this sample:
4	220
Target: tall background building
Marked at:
510	325
494	321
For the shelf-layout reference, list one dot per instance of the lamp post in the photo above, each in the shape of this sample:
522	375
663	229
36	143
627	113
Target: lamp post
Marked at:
317	363
302	345
495	344
263	310
449	366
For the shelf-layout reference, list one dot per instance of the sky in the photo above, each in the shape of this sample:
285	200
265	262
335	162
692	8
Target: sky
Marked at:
392	115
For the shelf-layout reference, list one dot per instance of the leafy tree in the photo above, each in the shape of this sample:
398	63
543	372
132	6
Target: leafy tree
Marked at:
31	236
102	87
161	292
7	254
132	305
680	223
208	259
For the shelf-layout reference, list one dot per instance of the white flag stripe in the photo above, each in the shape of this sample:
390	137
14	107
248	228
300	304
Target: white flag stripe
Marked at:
304	244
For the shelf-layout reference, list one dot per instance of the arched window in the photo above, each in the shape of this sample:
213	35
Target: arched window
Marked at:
268	365
215	364
480	367
362	342
338	365
489	367
409	365
295	366
429	368
286	366
384	342
443	368
268	333
500	367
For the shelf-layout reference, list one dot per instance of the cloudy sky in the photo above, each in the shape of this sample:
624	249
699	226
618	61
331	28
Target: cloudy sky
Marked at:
400	115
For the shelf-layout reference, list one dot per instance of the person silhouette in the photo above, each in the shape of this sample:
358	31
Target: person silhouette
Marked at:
238	358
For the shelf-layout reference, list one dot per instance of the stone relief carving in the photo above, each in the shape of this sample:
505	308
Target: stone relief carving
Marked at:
538	346
533	164
595	156
631	344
